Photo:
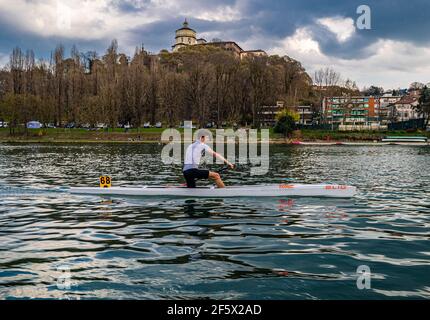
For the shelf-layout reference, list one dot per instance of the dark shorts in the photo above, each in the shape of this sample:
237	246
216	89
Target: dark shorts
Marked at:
192	174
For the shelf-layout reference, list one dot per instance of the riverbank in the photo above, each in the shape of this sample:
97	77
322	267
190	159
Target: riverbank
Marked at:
307	135
153	135
62	135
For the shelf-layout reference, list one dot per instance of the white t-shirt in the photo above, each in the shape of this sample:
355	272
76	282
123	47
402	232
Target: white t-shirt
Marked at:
193	155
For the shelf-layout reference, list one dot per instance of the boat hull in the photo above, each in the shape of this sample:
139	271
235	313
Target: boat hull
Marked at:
282	190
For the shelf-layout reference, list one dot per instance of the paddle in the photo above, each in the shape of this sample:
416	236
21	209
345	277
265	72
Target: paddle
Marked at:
223	169
237	167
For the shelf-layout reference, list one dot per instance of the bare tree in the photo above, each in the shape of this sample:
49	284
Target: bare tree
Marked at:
202	83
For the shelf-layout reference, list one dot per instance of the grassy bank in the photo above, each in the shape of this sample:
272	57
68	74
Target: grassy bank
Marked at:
316	135
153	135
81	135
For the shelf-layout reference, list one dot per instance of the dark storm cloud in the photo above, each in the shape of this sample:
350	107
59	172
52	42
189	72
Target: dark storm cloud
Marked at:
395	19
274	20
267	20
155	36
11	37
128	6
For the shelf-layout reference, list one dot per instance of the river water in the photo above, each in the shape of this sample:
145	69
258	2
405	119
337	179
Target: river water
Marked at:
57	245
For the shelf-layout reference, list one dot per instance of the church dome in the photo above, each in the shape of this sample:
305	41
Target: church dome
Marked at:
185	31
185	36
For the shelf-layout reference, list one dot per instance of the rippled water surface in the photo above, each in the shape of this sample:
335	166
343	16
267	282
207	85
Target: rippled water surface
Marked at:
247	248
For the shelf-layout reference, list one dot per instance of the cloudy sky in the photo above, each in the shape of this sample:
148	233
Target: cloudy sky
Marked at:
318	33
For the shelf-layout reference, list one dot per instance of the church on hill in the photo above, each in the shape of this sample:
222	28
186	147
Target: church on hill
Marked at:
186	36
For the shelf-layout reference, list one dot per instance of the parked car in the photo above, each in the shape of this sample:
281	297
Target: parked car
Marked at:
187	125
34	125
85	126
147	125
101	125
70	125
124	126
158	125
4	124
50	125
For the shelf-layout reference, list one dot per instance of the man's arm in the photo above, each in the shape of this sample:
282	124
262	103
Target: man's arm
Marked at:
217	155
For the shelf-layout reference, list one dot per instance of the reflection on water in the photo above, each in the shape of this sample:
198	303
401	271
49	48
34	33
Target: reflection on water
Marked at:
244	248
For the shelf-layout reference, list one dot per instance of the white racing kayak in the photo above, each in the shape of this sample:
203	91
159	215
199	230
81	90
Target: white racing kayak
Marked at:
271	190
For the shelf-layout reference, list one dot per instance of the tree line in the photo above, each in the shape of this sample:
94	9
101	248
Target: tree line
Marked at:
200	83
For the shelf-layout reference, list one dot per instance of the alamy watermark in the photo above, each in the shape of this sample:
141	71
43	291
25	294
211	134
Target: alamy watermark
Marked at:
225	143
64	279
364	21
364	277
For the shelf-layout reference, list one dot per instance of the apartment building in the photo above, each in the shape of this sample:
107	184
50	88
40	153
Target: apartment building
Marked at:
305	115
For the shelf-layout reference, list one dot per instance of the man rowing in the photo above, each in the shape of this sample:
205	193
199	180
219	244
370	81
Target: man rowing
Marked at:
193	156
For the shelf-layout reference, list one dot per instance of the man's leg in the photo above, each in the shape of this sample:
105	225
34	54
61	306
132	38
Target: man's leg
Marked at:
191	181
217	178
